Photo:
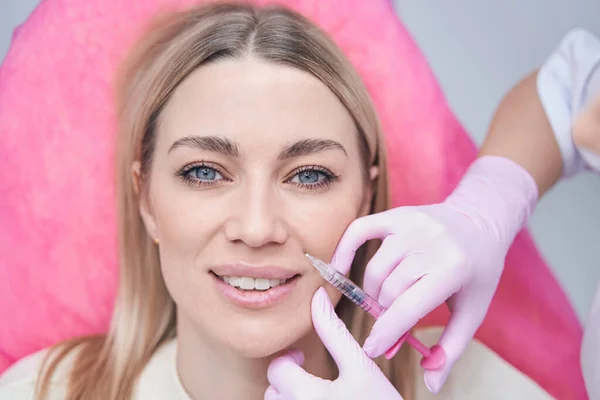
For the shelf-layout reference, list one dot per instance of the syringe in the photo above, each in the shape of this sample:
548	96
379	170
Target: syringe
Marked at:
358	296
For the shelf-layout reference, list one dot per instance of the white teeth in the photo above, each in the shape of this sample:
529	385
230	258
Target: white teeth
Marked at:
262	284
247	283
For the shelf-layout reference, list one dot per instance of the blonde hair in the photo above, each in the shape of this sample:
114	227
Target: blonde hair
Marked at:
107	367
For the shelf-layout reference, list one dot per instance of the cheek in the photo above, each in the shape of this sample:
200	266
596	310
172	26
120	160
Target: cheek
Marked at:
320	225
185	220
186	227
586	130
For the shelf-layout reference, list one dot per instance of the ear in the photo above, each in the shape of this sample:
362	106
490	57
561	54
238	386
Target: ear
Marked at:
365	208
144	205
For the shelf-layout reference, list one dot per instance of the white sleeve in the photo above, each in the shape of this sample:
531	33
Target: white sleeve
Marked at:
20	380
566	82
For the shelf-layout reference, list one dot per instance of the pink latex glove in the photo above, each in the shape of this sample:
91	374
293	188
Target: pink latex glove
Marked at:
359	377
453	251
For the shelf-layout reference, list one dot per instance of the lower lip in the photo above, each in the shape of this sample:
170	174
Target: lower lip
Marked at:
255	299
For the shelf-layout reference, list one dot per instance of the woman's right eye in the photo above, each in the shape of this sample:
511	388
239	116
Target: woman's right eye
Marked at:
201	175
205	173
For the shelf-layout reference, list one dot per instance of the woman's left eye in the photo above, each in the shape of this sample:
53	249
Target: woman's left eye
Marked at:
312	178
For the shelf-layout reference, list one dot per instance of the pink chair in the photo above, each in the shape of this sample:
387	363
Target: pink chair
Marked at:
58	263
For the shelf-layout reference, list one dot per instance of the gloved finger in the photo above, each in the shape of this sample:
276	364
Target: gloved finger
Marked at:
340	343
272	394
418	233
374	226
412	268
461	328
286	375
387	257
415	303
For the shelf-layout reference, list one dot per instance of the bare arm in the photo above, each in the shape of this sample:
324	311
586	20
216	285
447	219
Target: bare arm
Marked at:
521	132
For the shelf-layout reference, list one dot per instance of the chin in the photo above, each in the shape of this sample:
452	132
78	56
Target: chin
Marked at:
249	324
261	338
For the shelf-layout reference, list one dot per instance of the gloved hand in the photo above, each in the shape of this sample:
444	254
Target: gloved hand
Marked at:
359	377
450	251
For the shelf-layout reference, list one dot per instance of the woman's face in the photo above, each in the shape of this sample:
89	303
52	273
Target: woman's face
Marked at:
255	164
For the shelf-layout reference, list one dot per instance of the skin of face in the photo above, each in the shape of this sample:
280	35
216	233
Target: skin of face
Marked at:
254	163
586	127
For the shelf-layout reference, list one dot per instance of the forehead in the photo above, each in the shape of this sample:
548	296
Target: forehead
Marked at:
255	103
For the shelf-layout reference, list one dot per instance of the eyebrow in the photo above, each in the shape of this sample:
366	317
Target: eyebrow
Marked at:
308	146
209	143
227	147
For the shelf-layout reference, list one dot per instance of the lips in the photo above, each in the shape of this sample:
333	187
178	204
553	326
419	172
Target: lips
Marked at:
254	287
251	271
248	283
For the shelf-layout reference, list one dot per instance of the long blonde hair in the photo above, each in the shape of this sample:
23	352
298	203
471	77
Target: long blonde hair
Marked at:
107	366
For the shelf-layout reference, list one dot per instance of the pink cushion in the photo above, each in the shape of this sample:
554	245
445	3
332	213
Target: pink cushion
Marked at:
58	263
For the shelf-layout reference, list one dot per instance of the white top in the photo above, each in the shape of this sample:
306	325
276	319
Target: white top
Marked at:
479	374
567	82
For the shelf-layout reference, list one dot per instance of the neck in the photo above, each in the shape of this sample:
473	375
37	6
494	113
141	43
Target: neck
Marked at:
208	370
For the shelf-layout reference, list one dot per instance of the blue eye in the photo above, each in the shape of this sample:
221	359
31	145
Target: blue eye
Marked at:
313	177
205	173
201	175
309	177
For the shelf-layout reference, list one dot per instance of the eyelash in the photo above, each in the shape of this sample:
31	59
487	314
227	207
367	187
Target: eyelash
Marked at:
184	174
329	177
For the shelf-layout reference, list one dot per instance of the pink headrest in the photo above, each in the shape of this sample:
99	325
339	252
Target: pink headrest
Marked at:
58	253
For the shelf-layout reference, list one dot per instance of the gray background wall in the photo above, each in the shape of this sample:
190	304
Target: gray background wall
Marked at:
478	50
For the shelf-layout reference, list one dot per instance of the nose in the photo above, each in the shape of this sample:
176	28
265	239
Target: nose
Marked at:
256	218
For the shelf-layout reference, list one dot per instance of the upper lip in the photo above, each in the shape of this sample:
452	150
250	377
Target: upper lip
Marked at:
254	271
